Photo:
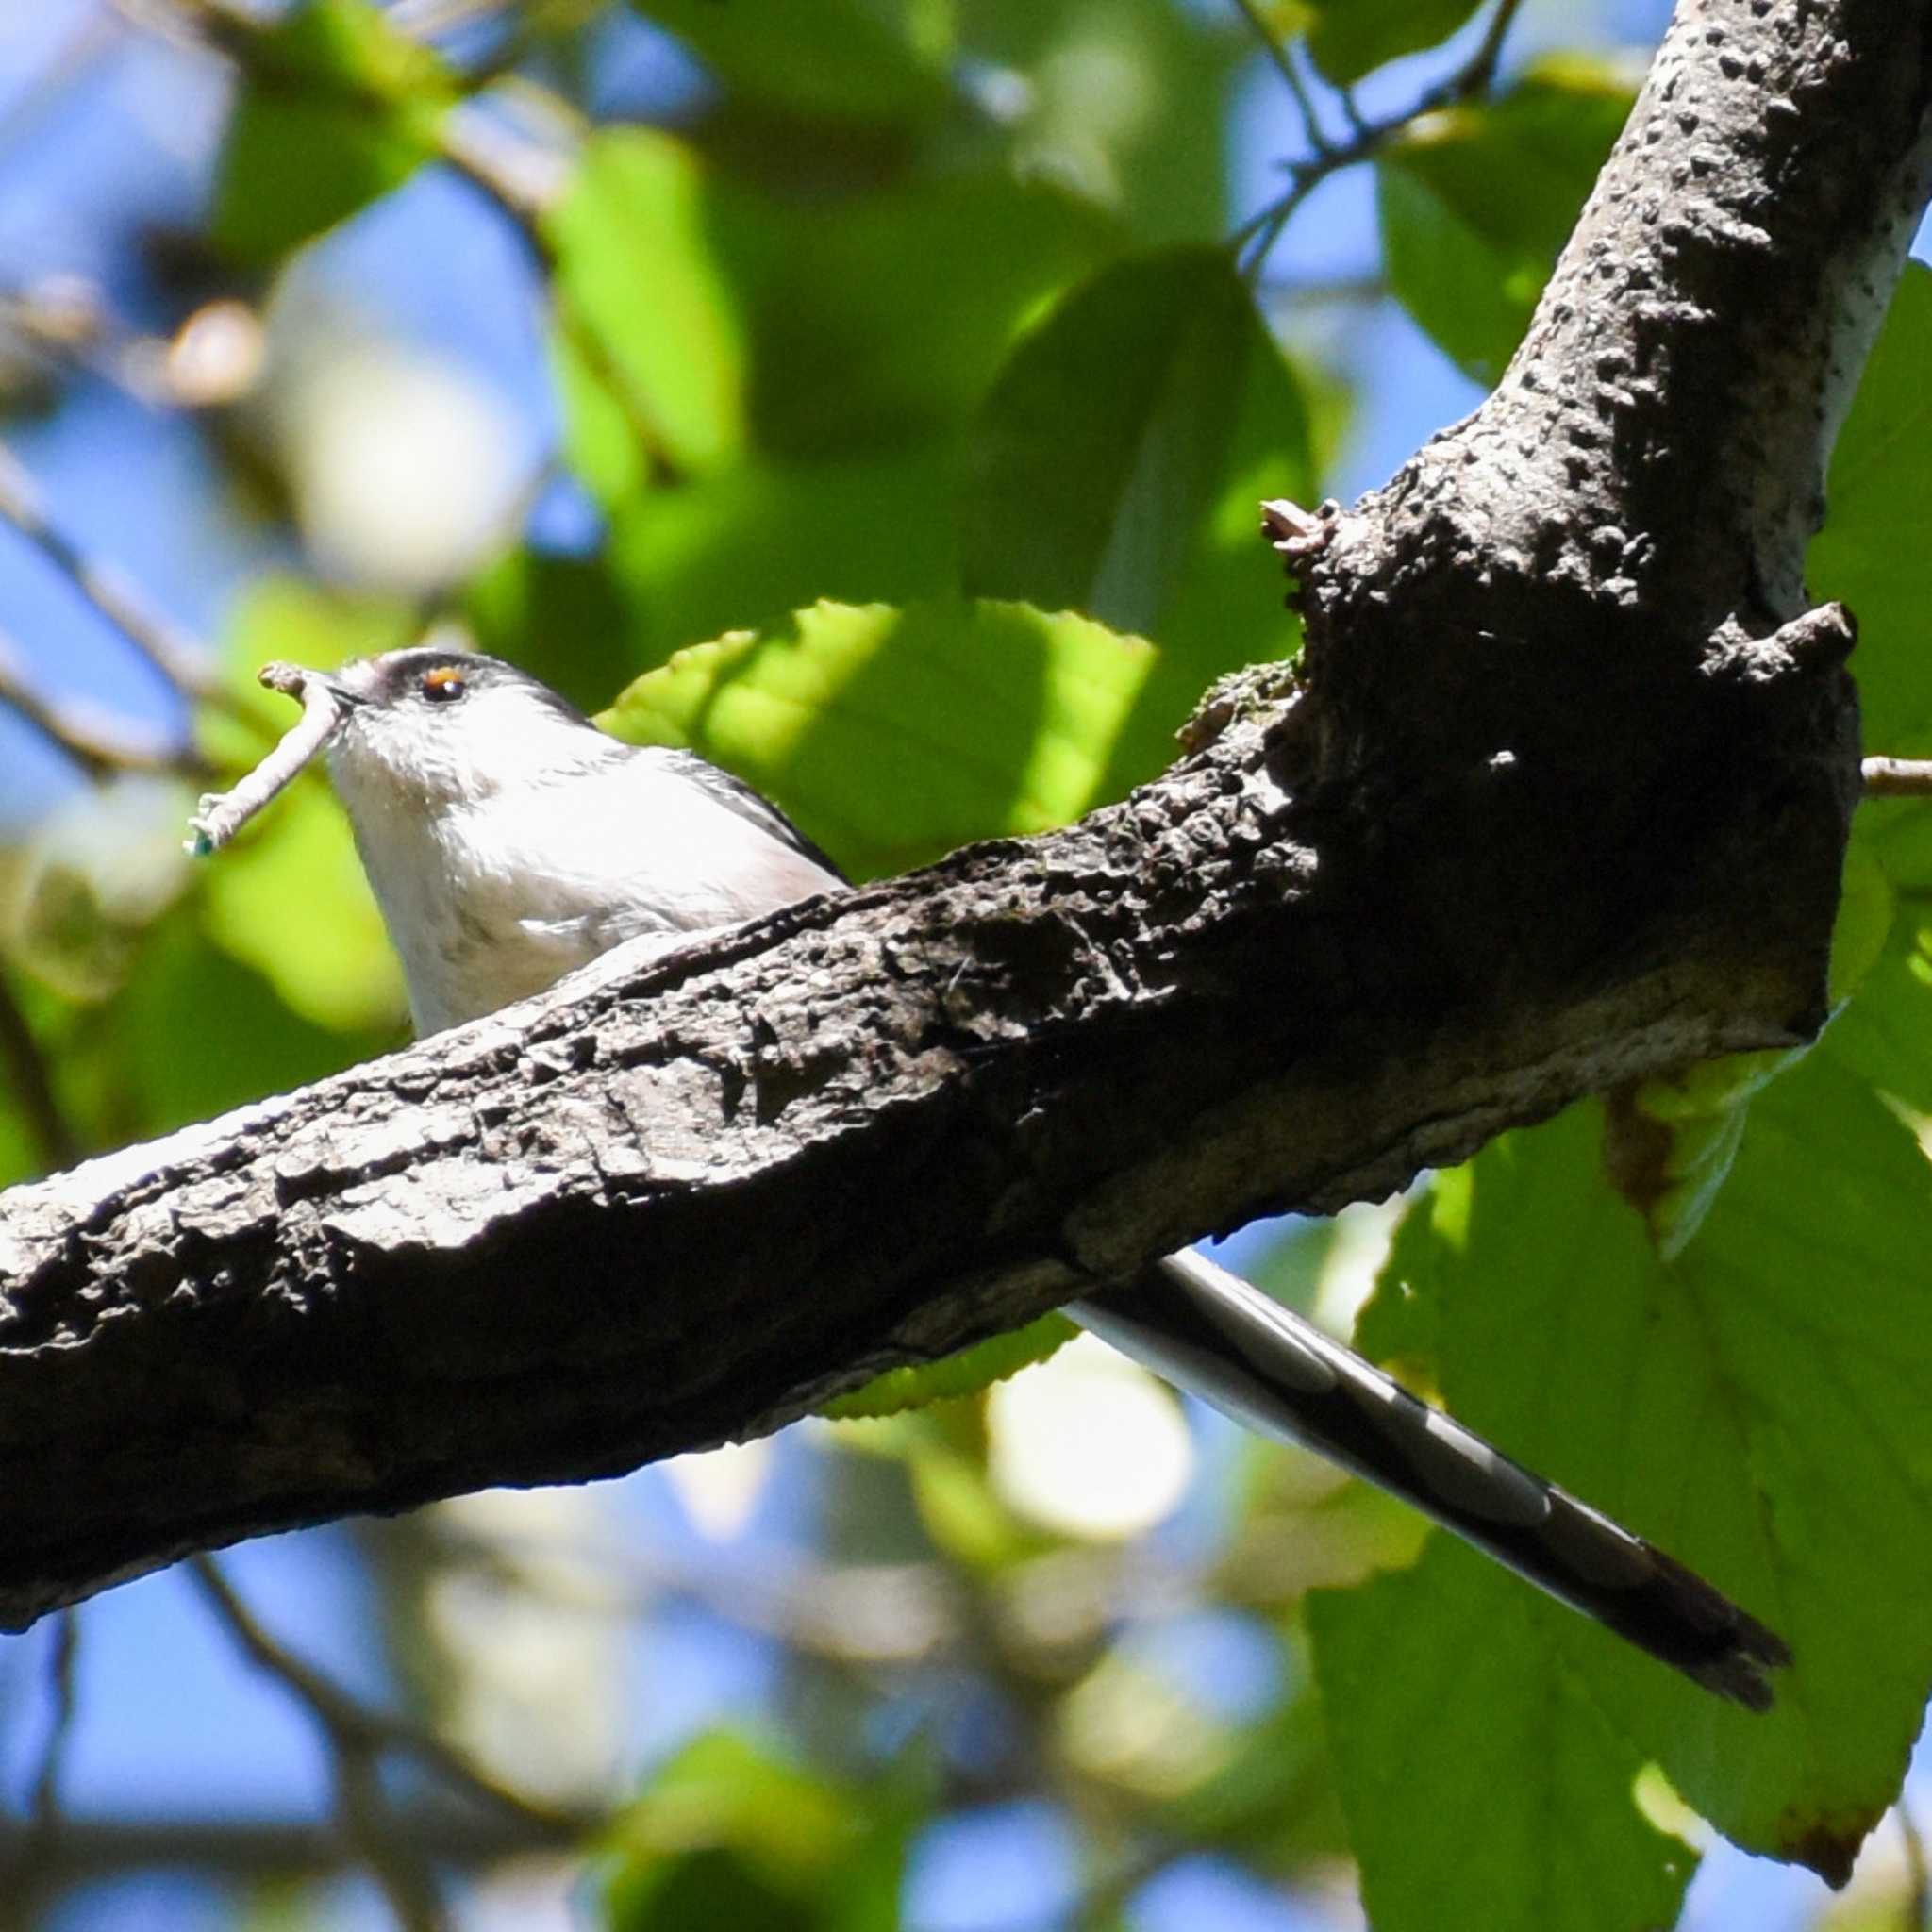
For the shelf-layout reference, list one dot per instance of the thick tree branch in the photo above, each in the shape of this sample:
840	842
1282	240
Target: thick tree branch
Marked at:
1559	800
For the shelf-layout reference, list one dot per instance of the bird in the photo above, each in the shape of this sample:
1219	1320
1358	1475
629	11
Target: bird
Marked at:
509	840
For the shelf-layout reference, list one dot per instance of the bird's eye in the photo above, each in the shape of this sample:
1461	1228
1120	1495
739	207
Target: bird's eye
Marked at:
444	685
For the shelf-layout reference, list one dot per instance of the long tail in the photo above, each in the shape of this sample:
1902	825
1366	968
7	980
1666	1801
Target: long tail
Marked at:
1209	1332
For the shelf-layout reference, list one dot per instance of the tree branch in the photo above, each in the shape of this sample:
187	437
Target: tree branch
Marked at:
1558	800
180	659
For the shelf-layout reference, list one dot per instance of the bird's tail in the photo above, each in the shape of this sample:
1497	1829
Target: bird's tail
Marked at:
1210	1333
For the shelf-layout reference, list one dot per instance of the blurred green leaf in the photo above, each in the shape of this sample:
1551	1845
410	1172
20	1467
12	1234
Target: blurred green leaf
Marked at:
716	554
698	315
1882	1036
292	902
1349	38
710	1887
1476	201
879	322
21	1146
830	59
966	1519
1435	1680
564	619
199	1033
898	735
730	1834
1119	465
335	108
1121	102
745	548
648	348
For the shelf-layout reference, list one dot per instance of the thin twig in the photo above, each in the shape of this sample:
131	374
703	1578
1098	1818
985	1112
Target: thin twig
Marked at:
1472	79
1917	1916
246	1849
55	1141
398	1867
1277	52
62	1677
98	742
1897	777
180	658
29	1868
351	1725
220	816
1479	70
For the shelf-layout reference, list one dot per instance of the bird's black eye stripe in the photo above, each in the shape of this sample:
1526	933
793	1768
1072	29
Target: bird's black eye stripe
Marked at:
444	685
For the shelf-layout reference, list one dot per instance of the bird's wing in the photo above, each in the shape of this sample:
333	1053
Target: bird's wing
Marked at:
734	795
1210	1333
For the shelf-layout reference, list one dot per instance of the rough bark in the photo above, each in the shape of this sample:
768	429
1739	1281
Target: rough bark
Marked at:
1558	800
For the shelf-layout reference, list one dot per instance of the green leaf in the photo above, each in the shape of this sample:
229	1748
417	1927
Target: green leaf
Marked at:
862	60
1874	551
1349	38
335	108
1476	201
1125	104
881	321
721	553
1882	1036
707	1887
896	736
292	903
197	1033
698	318
561	617
1481	1784
1118	464
767	538
730	1833
1756	1408
964	1372
648	347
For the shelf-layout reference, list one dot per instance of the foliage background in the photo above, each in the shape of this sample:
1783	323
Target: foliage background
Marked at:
608	333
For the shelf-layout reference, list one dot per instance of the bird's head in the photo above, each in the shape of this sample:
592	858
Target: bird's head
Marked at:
427	728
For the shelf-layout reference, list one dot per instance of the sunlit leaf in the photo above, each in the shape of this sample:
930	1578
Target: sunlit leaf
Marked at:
1754	1407
1477	200
896	736
964	1372
1481	1784
648	346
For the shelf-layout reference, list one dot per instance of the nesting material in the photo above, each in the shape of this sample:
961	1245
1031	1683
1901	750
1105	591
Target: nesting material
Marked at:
221	815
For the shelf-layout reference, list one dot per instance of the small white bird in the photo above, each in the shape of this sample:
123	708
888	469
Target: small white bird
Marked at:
509	841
